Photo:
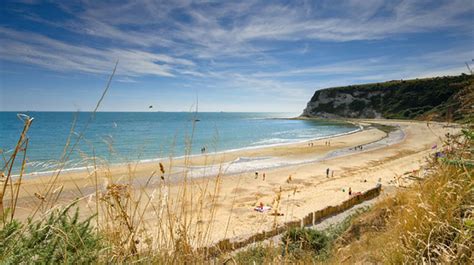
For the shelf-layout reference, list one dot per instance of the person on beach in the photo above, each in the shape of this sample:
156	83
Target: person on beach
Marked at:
327	173
256	174
263	176
332	174
350	191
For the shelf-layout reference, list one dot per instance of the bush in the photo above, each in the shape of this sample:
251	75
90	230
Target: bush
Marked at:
59	238
357	105
297	239
257	255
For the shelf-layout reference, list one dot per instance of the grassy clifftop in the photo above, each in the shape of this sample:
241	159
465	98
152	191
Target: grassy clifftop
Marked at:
434	98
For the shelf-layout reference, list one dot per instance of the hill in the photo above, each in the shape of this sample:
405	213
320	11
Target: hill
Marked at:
434	98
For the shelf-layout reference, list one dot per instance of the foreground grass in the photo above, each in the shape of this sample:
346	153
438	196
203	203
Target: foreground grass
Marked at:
430	222
61	238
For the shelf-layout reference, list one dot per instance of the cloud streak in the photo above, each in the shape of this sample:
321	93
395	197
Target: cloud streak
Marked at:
35	49
212	30
251	45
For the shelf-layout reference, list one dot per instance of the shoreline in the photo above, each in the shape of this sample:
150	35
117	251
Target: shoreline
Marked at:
165	159
387	140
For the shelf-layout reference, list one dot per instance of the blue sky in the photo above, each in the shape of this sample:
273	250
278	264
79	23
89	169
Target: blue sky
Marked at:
232	56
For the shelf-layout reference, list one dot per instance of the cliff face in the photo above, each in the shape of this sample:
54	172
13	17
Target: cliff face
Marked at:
351	104
402	99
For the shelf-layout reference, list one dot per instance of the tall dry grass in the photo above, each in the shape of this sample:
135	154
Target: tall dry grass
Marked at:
139	218
430	222
9	185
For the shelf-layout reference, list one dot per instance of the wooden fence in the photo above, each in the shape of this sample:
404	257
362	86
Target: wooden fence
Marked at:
226	245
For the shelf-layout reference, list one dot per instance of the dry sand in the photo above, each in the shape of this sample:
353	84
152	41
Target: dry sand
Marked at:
231	215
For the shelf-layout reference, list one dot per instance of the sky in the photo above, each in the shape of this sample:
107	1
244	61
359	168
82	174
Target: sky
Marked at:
248	55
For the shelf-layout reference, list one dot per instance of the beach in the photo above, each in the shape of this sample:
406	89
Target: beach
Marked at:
218	192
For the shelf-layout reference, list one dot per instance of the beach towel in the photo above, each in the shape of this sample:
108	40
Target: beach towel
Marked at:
263	209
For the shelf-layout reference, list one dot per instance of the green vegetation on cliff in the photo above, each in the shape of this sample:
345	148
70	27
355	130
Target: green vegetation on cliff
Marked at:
432	98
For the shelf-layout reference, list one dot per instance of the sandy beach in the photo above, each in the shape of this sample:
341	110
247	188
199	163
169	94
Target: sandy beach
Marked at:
221	190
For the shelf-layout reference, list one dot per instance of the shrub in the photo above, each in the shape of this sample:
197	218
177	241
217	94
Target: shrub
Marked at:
257	255
297	239
59	238
357	105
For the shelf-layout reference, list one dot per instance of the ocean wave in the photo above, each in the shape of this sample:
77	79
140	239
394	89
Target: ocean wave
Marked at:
248	159
274	141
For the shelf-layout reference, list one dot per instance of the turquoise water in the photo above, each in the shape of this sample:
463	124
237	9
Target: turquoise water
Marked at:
118	137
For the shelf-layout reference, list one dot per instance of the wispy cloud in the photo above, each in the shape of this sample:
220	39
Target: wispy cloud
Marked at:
212	30
252	45
35	49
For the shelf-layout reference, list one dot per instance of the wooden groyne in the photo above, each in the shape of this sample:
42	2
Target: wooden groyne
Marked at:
313	218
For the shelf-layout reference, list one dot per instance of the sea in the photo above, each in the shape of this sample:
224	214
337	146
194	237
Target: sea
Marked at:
77	139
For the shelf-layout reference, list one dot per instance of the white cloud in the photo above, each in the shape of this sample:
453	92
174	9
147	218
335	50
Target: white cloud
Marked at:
358	21
219	42
212	30
35	49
